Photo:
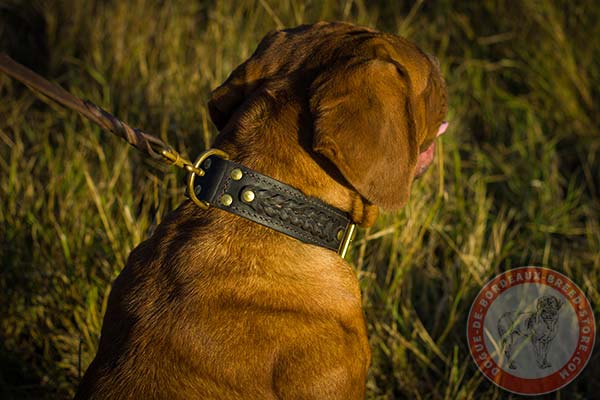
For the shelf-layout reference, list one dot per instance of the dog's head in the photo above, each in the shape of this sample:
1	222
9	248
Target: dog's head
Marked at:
377	102
549	306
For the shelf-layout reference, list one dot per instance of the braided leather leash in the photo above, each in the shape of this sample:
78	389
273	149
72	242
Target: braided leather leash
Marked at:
146	143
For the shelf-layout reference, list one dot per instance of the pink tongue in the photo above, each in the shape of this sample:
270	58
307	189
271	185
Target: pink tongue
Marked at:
426	157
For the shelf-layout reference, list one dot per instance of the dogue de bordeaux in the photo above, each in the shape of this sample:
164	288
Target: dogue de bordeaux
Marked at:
248	298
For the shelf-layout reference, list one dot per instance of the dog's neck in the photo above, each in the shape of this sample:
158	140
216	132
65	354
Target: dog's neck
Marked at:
281	147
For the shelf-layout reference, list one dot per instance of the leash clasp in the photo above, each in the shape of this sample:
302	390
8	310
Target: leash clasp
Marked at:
174	158
194	169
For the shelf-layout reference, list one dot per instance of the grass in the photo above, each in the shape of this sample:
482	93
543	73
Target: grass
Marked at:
515	183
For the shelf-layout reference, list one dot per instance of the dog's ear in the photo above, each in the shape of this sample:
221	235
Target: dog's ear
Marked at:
539	304
364	124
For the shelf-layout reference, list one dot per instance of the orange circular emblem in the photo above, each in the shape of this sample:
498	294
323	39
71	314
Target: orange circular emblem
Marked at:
531	330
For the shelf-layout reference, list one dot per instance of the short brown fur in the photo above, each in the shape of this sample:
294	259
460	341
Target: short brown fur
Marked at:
214	306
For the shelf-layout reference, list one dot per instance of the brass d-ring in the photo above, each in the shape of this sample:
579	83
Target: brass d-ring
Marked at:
199	171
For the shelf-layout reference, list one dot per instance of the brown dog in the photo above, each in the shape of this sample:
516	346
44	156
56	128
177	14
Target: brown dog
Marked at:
214	306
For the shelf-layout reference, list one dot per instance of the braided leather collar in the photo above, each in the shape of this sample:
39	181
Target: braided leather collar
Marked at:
232	187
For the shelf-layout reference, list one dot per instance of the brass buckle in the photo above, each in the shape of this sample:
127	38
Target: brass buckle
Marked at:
346	240
200	172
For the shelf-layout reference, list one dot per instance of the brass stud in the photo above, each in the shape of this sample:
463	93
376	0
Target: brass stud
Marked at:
248	196
197	190
236	174
226	200
340	234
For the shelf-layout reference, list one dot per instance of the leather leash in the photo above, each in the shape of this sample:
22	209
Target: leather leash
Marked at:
146	143
226	185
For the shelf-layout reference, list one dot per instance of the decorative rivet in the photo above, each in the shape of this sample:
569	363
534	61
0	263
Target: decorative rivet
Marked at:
207	163
248	196
197	190
226	200
340	234
236	174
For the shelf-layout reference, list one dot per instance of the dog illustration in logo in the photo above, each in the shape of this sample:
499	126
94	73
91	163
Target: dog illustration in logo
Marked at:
540	327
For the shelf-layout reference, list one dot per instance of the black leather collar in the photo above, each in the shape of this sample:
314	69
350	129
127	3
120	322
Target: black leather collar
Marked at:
232	187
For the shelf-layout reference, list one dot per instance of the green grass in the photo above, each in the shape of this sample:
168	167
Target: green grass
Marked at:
516	181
